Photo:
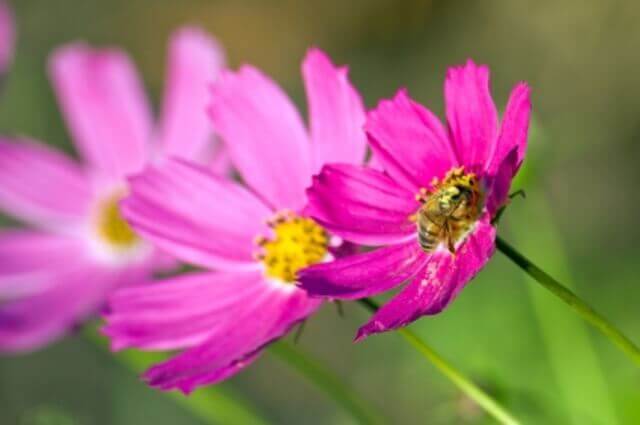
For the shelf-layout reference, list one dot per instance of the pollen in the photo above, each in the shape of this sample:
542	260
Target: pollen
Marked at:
297	242
112	228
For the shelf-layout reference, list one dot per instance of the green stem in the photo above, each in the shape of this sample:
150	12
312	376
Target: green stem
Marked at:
474	392
580	307
212	405
326	381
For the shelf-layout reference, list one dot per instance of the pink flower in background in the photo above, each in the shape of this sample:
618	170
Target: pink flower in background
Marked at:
432	206
59	271
7	37
257	238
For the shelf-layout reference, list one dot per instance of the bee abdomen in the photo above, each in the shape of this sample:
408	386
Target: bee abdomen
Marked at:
427	242
428	236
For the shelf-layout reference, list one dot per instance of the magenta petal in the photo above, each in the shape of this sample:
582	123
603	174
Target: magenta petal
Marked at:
437	284
471	114
104	106
180	312
364	275
514	129
410	142
194	62
198	217
362	205
499	184
71	296
7	37
29	259
266	317
41	185
336	112
264	135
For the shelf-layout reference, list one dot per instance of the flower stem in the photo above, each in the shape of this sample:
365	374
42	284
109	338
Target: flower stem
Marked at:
326	381
580	307
474	392
213	405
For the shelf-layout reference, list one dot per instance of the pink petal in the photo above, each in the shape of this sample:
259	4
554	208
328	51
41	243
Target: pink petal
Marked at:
104	105
219	160
195	61
200	218
29	258
362	205
364	275
336	112
229	348
514	130
180	312
499	184
264	134
439	282
7	37
71	296
409	142
471	114
40	185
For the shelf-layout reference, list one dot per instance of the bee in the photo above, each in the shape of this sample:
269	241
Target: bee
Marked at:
449	211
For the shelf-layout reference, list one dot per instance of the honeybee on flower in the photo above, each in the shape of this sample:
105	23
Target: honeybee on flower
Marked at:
430	210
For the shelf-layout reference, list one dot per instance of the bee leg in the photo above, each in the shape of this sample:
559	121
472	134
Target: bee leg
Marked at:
450	242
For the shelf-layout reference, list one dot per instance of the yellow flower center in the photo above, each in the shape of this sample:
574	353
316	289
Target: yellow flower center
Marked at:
297	242
448	211
112	227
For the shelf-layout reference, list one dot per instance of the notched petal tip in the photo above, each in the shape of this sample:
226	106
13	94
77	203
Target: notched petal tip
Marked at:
370	328
384	107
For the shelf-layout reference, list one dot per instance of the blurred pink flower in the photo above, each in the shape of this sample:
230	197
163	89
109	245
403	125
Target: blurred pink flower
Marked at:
431	207
7	37
55	274
256	237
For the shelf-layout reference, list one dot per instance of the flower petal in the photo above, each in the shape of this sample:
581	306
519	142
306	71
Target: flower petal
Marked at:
229	348
439	282
72	295
471	114
180	312
264	134
498	185
195	61
514	129
198	217
364	275
336	112
362	205
104	106
40	185
409	141
7	37
29	258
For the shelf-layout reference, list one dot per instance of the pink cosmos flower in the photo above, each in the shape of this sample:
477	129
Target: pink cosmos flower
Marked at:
79	248
7	37
257	237
432	206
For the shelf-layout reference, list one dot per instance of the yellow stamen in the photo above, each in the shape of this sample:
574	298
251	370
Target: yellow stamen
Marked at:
112	227
297	242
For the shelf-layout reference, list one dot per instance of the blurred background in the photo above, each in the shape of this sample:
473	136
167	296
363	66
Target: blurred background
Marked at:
578	220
